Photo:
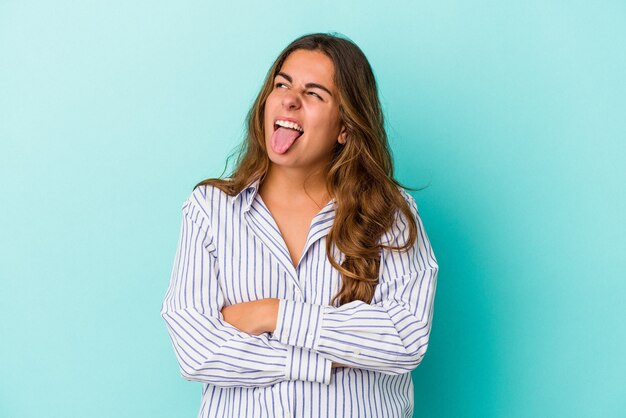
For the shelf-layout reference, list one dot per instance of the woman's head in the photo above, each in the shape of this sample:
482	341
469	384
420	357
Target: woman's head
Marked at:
342	123
303	93
344	139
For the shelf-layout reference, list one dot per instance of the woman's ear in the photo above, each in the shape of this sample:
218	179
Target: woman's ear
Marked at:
342	135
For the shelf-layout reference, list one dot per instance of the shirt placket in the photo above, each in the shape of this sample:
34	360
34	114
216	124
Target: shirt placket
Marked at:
263	225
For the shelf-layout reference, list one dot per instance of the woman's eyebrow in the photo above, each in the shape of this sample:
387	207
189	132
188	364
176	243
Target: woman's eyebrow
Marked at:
307	85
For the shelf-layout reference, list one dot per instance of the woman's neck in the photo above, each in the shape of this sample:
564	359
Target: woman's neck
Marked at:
280	183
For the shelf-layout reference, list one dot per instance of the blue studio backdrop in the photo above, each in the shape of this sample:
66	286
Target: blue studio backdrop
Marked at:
513	114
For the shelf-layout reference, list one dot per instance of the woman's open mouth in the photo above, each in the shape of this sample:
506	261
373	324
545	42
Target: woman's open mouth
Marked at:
285	134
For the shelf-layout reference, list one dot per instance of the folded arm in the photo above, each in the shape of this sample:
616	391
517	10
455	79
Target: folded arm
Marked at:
208	348
390	335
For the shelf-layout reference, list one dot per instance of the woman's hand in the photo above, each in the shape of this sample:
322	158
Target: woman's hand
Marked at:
335	365
254	317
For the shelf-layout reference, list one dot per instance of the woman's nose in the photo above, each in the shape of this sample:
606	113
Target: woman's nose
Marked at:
291	100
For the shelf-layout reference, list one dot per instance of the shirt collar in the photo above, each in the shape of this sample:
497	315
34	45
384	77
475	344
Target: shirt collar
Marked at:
247	193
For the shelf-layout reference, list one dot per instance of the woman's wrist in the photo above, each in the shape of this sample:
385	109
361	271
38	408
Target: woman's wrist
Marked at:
271	313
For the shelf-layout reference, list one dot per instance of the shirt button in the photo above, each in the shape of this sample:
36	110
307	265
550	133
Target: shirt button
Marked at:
356	352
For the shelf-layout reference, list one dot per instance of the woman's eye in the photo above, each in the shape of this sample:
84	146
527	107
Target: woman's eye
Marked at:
279	84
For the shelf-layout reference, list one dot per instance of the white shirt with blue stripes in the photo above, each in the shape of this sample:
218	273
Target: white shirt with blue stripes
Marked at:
230	251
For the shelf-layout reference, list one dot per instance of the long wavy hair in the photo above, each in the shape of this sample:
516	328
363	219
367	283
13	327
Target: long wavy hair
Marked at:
360	173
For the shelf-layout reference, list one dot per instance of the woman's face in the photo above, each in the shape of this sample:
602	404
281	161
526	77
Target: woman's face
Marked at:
304	92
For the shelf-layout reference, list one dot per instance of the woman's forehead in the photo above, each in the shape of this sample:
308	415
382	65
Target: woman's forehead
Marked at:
304	66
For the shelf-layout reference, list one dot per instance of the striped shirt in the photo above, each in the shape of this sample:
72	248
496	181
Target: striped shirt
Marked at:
230	250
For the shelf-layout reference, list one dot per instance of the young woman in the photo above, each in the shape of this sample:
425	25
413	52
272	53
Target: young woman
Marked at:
303	284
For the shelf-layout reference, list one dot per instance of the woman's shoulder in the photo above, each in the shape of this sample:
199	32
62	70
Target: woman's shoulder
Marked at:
205	198
410	200
407	196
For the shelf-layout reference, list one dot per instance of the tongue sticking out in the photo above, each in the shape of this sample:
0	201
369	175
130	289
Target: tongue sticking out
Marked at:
283	138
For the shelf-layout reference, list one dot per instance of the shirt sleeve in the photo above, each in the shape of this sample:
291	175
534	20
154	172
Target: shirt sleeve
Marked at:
390	335
209	349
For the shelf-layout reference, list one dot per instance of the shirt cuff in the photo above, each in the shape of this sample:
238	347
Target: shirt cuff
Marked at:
299	323
307	365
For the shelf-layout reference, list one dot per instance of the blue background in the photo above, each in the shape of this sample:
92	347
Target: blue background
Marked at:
513	113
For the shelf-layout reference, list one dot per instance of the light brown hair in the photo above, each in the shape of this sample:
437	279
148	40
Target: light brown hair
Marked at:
360	173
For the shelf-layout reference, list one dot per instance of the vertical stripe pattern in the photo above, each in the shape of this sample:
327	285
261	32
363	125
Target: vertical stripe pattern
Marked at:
230	250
